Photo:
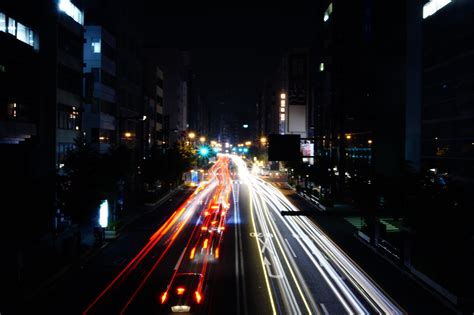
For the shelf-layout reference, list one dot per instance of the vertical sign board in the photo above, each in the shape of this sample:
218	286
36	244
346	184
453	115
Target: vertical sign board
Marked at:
297	93
307	150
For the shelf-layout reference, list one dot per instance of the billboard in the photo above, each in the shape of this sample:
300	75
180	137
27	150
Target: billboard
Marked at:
307	150
284	147
297	119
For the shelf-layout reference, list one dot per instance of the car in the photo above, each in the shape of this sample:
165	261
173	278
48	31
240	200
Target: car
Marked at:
185	293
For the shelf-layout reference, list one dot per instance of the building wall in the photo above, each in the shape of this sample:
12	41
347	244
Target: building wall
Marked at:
100	108
69	59
448	99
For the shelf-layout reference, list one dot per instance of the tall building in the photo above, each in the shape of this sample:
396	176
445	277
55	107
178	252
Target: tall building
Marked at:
100	108
69	59
40	103
176	66
296	96
448	99
365	120
268	109
153	98
198	113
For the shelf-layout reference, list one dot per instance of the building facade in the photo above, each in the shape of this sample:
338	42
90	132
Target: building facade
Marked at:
448	99
100	107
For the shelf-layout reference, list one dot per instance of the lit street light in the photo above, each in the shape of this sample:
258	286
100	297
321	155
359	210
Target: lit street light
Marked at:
191	135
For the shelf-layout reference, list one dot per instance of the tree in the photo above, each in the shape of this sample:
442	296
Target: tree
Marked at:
78	181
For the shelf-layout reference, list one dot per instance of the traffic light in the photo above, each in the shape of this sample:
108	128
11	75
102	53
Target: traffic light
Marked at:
203	151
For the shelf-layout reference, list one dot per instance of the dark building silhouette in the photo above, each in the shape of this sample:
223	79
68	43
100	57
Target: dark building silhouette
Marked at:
366	112
448	99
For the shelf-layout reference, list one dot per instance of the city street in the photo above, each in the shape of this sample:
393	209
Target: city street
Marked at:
259	261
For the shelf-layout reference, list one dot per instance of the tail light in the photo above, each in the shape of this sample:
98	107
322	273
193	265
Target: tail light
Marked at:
198	297
163	297
180	290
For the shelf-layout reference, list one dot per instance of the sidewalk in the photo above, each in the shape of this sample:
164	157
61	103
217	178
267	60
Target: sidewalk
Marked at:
53	264
409	291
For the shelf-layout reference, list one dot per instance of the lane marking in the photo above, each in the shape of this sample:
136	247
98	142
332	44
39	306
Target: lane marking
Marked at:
324	309
180	258
237	284
291	249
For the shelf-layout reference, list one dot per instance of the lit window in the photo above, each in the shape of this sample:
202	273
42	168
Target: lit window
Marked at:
11	26
328	12
3	22
282	109
282	117
22	33
283	96
433	6
282	103
321	66
71	10
96	45
12	109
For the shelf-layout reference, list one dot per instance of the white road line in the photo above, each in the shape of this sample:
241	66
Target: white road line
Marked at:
291	249
237	284
180	258
324	309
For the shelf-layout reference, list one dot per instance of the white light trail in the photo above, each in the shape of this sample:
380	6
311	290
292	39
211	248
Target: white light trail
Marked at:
341	274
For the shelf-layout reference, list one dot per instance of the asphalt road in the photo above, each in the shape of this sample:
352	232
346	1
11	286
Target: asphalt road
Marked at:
261	263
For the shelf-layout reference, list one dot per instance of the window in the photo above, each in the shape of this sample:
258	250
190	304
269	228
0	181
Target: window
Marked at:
66	117
62	150
69	80
22	33
11	26
321	66
3	22
96	45
12	110
25	34
72	11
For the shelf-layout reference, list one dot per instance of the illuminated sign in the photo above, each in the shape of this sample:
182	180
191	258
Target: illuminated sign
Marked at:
104	213
433	6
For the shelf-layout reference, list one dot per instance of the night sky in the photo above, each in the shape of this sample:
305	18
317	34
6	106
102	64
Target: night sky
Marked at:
233	47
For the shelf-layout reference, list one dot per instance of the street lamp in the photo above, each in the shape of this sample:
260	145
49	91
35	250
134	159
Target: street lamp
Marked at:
191	135
202	139
263	140
248	143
